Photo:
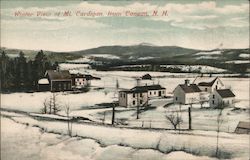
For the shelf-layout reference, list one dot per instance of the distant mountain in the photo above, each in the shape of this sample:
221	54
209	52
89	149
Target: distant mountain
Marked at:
141	50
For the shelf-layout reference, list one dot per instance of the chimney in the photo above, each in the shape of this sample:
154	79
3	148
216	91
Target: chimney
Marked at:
187	82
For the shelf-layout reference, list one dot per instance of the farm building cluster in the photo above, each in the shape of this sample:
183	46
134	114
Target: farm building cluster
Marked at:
202	89
62	80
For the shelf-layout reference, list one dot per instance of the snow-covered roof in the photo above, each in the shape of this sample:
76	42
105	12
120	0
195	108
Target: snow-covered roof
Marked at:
43	81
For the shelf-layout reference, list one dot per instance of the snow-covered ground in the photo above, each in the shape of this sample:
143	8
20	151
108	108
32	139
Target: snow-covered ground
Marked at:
244	55
97	142
24	142
192	68
209	53
238	61
129	143
82	103
108	56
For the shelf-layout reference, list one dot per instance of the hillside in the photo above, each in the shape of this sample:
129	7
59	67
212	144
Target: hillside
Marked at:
107	57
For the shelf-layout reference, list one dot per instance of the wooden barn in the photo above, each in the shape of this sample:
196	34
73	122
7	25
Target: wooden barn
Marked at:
59	80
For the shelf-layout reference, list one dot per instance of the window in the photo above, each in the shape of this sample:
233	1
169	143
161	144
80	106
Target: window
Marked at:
124	95
206	89
155	93
150	93
213	101
140	101
120	94
140	94
213	96
134	95
133	102
65	86
176	98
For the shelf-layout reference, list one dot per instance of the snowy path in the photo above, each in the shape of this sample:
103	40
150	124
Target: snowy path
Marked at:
199	143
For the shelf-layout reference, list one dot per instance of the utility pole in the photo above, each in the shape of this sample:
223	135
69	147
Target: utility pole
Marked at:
189	119
138	106
104	114
113	114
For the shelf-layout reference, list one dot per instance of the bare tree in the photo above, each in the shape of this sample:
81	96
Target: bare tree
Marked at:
174	119
55	104
51	105
68	111
45	106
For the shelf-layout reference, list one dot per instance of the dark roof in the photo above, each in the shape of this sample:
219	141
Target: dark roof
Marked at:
190	88
87	76
208	84
146	76
225	93
147	88
245	125
58	75
134	91
78	75
142	89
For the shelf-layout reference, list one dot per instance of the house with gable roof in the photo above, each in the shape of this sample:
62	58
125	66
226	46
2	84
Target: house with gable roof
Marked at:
221	98
186	93
154	90
209	84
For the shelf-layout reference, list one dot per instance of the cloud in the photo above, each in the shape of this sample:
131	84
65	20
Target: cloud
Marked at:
184	20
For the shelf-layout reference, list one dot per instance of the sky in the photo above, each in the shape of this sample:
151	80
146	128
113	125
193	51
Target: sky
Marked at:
191	24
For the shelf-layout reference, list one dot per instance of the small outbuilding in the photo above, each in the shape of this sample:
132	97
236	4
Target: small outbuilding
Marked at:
43	84
243	128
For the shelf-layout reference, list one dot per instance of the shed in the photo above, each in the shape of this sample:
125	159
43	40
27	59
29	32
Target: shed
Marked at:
243	128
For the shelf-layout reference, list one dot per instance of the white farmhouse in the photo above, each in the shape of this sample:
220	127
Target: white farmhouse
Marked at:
221	97
153	90
209	84
133	98
80	80
187	93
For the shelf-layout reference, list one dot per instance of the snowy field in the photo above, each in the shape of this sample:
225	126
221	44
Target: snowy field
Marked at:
192	68
238	61
99	141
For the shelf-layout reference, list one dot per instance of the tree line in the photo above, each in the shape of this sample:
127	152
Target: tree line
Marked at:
21	74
